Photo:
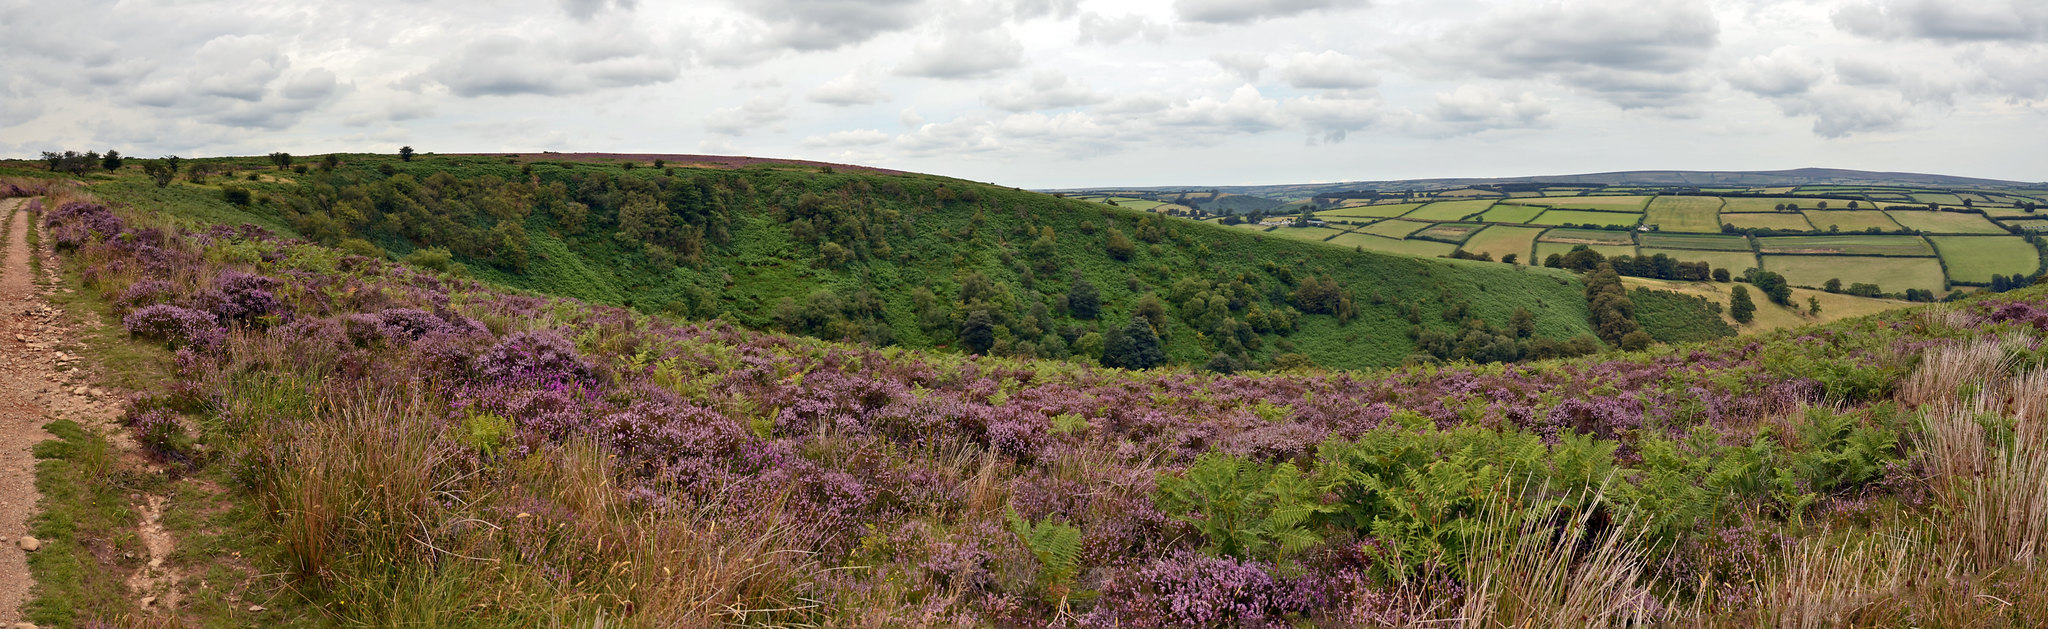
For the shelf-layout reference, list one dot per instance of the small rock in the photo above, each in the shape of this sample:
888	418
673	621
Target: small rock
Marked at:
24	625
28	543
98	392
257	608
147	601
78	390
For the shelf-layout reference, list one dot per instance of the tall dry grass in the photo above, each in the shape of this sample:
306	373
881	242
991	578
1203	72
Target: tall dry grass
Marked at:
1543	572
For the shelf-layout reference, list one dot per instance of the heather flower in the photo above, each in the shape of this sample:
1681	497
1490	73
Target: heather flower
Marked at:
537	357
159	433
238	297
145	293
175	325
1192	590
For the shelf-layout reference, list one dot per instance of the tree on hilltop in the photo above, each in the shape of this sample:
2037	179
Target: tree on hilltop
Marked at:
405	153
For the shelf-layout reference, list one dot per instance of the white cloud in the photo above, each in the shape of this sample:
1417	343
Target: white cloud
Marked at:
1327	70
757	113
1245	111
1244	11
1096	28
1952	21
1631	54
1472	109
509	65
847	139
965	56
1048	89
852	89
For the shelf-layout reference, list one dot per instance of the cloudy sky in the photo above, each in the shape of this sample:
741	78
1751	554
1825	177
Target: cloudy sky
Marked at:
1056	93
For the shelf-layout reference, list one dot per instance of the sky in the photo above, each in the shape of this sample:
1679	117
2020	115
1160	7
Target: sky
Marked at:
1055	93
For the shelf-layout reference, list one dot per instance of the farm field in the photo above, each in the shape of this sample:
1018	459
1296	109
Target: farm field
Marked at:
1735	261
1946	222
1851	245
1937	197
1602	203
1544	249
1449	232
1306	233
1501	240
1449	210
1770	316
1370	211
1890	274
1589	237
1395	228
1584	217
1409	247
1850	220
1512	213
1737	205
1975	259
1706	242
1685	214
1781	221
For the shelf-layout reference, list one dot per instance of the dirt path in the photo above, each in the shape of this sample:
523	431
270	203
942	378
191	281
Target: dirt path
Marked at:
27	374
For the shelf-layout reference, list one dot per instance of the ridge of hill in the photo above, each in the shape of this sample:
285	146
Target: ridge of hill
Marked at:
889	258
1790	177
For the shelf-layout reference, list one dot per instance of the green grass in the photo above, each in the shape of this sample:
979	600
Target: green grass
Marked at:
1704	242
1449	232
86	527
1450	210
1370	211
1501	240
1781	221
1975	259
1946	222
1589	236
1761	204
1407	247
1851	245
1512	213
1937	197
1599	203
191	204
1893	275
1676	317
1850	220
1580	217
1394	228
1306	233
1685	214
1734	261
1544	249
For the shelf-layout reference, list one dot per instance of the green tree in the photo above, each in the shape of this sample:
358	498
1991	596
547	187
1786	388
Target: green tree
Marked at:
159	171
405	153
112	161
1741	307
281	159
978	331
1614	314
1152	311
1813	306
1084	300
1135	346
1120	246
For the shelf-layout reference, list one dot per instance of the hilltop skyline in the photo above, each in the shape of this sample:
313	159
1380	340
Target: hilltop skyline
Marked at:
1058	93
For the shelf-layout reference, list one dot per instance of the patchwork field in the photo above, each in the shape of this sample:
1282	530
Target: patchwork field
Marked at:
1851	245
1512	213
1371	211
1583	217
1760	204
1889	274
1306	233
1850	220
1501	240
1544	249
1735	261
1589	237
1947	222
1449	210
1685	214
1937	197
1395	228
1770	316
1449	232
1781	221
1706	242
1976	258
1424	248
1604	203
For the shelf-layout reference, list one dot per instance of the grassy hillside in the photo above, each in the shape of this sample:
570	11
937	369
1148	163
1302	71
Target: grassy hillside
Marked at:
346	442
881	257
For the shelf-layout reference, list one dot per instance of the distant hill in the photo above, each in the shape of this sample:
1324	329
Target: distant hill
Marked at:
1794	177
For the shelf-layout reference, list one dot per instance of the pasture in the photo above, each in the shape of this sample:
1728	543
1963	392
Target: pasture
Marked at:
1685	214
1661	240
1449	232
1512	213
1946	222
1306	233
1395	228
1407	247
1781	221
1589	237
1544	249
1734	261
1370	211
1889	274
1849	245
1760	204
1501	240
1450	210
1599	203
1975	259
1583	217
1850	220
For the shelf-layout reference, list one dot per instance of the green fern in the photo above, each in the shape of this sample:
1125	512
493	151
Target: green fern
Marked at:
1057	546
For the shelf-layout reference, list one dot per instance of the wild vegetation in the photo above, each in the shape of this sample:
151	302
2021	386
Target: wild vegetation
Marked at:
423	448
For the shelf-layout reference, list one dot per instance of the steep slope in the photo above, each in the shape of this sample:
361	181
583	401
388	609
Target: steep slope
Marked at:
883	257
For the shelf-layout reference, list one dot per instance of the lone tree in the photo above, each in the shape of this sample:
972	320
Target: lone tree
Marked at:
1741	307
159	171
282	160
1084	301
112	160
1136	346
405	153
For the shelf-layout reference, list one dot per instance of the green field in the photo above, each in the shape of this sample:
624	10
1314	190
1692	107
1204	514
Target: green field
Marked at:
1759	204
1892	275
1306	233
1685	214
1501	240
1589	237
1583	217
1544	249
1850	220
1782	221
1370	211
1660	240
1734	261
1422	248
1449	232
1946	222
1848	245
1394	228
2030	225
2008	212
1607	203
1937	197
1450	210
1511	213
1976	258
